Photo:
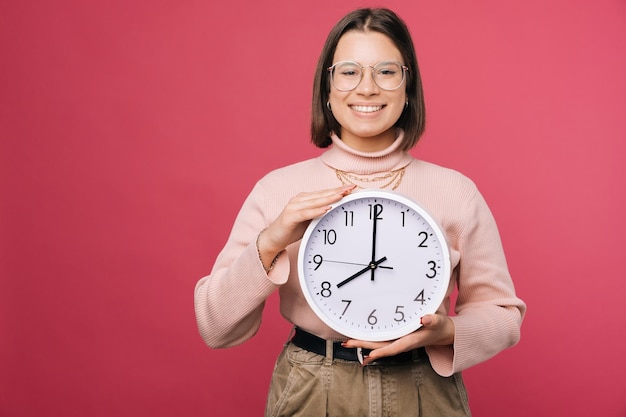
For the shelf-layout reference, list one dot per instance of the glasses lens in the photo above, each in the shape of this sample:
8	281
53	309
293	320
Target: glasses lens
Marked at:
346	75
388	75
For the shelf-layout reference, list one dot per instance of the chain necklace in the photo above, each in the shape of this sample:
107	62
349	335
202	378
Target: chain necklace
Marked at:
392	178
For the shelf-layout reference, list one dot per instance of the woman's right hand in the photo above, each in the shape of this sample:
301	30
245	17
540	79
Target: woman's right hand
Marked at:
291	223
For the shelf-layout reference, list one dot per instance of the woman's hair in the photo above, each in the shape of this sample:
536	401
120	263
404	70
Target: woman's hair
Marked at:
383	21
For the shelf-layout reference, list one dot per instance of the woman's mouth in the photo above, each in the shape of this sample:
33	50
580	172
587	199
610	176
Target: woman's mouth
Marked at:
366	109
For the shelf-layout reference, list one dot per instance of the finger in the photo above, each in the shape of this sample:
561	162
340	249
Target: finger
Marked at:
328	195
439	328
378	349
307	206
391	349
383	349
344	189
429	320
354	343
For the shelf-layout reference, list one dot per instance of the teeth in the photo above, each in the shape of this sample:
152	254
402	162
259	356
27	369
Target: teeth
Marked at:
367	109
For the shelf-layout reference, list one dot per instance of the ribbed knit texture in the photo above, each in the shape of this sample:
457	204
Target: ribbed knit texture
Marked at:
229	302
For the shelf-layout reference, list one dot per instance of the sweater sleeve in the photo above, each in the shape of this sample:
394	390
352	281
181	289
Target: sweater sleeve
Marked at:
488	313
229	302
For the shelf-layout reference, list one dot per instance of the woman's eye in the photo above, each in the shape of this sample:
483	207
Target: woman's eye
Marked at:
387	72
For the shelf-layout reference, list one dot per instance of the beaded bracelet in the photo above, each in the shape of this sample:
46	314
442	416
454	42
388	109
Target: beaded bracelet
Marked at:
267	270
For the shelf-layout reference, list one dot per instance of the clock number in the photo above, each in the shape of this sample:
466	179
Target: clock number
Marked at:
348	302
423	242
326	292
420	297
372	319
330	236
349	218
375	211
399	314
403	216
317	260
433	266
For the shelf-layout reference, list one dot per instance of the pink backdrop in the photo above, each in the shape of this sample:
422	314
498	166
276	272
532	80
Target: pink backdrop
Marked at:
131	131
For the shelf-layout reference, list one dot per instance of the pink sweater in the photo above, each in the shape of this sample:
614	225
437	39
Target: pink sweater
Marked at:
229	301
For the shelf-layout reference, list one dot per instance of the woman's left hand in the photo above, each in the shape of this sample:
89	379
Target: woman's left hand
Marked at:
436	330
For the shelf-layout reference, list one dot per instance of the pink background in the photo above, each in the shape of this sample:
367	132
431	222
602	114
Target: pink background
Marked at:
131	132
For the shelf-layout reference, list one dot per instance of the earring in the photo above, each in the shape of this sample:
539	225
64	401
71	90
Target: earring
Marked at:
406	103
328	105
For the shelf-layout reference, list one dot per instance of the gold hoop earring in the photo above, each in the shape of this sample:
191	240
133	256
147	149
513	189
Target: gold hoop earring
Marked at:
328	105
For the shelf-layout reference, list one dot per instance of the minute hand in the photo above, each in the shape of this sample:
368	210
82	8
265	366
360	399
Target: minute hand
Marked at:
371	266
378	209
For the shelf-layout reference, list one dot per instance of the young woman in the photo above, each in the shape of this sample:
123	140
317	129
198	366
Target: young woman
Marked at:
368	110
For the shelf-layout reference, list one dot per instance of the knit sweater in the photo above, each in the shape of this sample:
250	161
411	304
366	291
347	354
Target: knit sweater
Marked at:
487	313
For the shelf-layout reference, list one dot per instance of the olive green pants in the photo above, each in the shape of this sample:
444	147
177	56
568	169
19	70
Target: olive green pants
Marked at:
305	384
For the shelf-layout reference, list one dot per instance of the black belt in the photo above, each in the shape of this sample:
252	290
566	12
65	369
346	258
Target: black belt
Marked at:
312	343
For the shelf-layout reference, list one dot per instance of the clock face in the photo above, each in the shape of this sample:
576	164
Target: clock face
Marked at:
373	265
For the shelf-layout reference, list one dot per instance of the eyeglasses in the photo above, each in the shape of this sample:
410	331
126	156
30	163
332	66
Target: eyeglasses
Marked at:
347	75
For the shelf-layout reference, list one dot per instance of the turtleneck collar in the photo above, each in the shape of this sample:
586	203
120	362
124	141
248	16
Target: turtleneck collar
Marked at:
341	156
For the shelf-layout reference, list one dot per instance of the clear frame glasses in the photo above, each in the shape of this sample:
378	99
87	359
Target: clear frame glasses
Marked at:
347	75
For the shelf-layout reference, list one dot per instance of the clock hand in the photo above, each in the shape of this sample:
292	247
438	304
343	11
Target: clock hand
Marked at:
355	263
348	263
377	209
345	281
371	266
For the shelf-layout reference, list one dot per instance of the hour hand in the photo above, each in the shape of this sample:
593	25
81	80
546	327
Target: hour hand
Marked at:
371	266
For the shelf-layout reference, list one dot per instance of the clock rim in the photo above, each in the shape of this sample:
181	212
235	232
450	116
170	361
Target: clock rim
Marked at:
387	335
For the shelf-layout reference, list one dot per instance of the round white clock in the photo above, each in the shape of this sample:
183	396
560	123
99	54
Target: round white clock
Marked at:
374	265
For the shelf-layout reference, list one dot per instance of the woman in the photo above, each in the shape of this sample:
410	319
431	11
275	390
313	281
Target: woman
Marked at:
368	110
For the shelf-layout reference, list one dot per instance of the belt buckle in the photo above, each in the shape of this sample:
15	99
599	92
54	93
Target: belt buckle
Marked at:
359	355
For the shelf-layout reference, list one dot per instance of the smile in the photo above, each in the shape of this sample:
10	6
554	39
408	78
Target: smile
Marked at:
366	109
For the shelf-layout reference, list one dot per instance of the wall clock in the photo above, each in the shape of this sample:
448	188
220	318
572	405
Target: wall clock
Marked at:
373	265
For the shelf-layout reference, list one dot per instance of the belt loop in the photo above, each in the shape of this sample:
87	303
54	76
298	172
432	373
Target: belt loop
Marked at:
329	352
326	371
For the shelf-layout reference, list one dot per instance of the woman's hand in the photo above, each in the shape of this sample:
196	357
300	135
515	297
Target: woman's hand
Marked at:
436	330
290	225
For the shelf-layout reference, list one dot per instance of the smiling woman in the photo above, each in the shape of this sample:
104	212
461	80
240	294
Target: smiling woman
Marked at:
124	123
386	48
364	107
367	104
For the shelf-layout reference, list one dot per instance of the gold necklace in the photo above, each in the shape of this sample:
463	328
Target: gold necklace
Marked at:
391	178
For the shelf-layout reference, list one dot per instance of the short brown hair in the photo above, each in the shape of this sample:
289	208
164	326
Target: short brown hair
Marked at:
385	21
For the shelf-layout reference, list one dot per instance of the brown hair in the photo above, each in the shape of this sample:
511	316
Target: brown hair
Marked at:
384	21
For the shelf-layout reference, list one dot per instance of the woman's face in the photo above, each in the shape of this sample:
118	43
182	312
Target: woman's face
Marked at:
368	113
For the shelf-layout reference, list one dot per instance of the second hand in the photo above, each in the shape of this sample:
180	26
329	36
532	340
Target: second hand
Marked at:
354	263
